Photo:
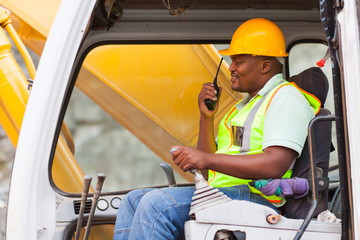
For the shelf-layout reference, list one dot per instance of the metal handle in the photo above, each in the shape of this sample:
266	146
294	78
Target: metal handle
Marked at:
84	194
99	184
315	194
169	174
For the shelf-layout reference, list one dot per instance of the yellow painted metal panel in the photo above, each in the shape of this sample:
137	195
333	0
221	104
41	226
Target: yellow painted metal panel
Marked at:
104	231
8	127
37	13
157	102
29	35
13	94
66	172
163	81
146	130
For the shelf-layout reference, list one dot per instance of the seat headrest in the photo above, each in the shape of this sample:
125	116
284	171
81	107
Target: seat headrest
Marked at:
314	81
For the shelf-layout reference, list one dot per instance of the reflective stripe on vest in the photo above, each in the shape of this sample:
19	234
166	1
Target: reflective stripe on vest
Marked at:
250	145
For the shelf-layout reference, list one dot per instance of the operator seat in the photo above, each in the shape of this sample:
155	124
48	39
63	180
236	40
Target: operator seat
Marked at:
314	81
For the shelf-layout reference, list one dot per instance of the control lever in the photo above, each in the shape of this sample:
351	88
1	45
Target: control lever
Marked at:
199	179
169	174
99	184
205	196
84	194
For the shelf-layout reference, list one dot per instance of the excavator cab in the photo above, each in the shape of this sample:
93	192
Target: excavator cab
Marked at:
243	220
126	75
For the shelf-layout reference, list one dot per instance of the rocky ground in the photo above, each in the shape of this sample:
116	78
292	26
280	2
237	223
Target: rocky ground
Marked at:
7	153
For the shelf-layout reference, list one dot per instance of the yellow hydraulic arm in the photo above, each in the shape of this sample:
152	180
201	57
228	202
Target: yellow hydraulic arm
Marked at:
14	94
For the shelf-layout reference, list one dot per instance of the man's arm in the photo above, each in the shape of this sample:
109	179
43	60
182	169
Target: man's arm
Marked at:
285	131
206	140
272	163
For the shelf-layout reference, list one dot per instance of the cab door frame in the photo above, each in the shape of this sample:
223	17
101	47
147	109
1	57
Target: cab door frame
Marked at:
32	201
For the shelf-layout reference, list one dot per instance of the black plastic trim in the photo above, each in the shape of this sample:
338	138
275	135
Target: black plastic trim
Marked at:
328	14
102	209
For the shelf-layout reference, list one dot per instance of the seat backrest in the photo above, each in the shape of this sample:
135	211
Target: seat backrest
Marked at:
314	81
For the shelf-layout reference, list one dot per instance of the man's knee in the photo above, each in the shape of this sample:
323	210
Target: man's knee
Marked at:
134	197
153	200
164	200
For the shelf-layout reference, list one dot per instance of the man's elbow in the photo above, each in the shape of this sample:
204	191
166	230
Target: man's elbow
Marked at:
279	161
275	172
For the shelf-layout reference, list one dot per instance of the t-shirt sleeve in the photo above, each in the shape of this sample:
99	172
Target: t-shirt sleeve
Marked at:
287	120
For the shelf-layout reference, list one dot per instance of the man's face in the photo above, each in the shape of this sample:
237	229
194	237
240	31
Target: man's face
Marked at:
245	71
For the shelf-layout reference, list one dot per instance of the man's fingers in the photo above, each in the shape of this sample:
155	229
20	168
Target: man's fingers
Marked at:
207	94
208	86
180	157
186	167
177	156
177	160
174	149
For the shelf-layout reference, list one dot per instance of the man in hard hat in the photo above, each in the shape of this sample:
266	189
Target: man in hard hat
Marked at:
259	138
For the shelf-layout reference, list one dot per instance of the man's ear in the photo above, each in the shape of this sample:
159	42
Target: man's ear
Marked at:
266	66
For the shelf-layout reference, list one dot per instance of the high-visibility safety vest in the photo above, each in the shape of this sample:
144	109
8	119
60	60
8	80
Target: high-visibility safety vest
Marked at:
249	122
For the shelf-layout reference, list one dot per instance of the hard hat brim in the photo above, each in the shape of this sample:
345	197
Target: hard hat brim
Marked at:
230	52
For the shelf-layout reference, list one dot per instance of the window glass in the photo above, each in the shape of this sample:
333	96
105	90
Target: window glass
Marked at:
301	57
102	145
130	104
305	55
218	47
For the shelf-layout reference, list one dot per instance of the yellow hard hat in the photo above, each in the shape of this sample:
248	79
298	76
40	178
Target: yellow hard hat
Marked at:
257	36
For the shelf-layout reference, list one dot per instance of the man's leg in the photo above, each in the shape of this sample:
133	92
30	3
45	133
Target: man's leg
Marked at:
160	214
242	192
126	213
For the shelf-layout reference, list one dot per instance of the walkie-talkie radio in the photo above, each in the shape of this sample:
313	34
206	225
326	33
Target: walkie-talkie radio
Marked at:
210	103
